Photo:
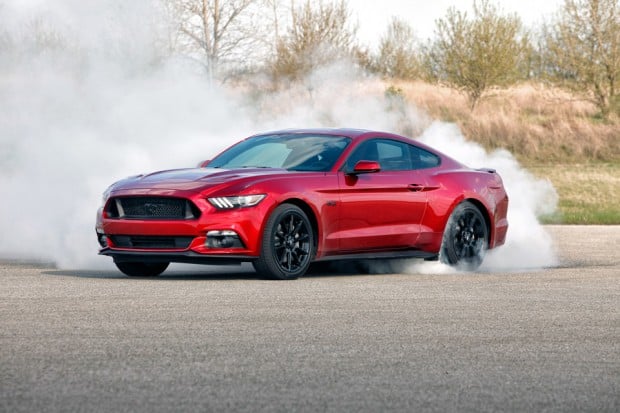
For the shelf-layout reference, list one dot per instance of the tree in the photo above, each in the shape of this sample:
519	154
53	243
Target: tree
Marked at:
477	54
583	50
216	30
397	56
319	33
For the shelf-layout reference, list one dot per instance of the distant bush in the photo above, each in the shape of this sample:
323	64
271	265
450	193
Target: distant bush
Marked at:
475	55
583	51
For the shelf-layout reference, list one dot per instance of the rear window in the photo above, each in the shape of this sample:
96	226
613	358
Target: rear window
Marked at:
423	159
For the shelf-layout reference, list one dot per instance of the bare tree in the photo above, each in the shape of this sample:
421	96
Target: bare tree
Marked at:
397	56
42	36
274	20
319	33
477	54
583	49
218	30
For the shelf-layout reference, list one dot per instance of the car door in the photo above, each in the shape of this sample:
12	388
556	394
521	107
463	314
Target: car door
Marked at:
381	210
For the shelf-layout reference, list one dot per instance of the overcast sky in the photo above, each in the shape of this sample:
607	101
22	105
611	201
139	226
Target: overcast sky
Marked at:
374	15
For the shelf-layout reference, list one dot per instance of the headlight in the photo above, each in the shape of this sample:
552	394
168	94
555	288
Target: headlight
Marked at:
241	201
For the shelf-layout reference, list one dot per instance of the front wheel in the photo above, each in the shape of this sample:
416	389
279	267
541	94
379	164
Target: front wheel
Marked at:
465	239
141	269
287	244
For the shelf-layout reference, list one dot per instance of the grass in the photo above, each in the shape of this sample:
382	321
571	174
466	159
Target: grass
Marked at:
536	123
589	193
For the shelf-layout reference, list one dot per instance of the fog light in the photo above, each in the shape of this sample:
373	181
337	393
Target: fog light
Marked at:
103	240
223	239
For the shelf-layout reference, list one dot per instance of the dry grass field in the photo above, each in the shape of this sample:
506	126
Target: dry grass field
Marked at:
589	193
554	134
538	124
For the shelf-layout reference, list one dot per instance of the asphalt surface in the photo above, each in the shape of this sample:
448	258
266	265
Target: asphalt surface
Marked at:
220	340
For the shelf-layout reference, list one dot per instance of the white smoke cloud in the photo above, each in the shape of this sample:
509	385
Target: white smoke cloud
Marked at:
528	245
91	110
102	104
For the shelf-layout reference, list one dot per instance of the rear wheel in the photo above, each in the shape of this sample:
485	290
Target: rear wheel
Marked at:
287	244
465	239
142	269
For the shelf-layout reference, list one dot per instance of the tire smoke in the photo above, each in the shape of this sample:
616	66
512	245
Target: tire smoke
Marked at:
528	245
88	98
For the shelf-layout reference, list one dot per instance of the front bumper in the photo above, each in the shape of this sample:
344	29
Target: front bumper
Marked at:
246	223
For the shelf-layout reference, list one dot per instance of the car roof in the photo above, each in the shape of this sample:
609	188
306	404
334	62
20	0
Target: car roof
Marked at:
347	132
355	134
360	134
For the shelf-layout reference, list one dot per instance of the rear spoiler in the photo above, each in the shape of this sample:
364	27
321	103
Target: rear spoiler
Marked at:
489	170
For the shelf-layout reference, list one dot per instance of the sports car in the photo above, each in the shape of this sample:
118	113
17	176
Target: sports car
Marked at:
286	199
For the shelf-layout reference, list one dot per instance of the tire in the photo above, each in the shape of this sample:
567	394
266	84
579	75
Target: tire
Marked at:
141	269
287	246
465	238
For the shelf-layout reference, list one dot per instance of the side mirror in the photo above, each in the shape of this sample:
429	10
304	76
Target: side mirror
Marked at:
203	164
366	167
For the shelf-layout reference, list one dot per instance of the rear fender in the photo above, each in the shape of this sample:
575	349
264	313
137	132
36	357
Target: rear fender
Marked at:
484	188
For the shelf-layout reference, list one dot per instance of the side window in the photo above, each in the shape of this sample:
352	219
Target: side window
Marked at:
367	151
393	155
422	159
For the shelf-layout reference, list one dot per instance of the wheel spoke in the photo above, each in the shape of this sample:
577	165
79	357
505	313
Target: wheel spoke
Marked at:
289	260
279	234
291	226
463	250
298	227
282	257
278	241
301	251
295	257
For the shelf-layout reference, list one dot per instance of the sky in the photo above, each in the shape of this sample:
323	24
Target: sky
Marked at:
374	16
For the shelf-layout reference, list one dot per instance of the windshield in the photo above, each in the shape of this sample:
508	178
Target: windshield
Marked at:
293	152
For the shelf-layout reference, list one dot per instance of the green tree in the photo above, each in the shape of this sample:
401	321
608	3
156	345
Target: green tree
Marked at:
583	50
397	56
474	55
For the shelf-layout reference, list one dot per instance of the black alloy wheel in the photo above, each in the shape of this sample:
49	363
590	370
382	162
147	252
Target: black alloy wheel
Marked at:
141	269
287	244
465	239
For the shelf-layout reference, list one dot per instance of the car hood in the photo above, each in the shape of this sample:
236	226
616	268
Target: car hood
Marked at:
196	179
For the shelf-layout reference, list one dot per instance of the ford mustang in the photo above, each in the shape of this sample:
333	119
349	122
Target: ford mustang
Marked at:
286	199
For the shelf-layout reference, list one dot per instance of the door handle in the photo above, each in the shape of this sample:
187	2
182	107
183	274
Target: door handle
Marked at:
421	188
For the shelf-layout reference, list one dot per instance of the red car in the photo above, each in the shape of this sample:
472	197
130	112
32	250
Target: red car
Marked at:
283	200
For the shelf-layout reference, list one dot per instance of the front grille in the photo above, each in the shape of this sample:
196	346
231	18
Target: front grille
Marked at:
142	207
151	242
